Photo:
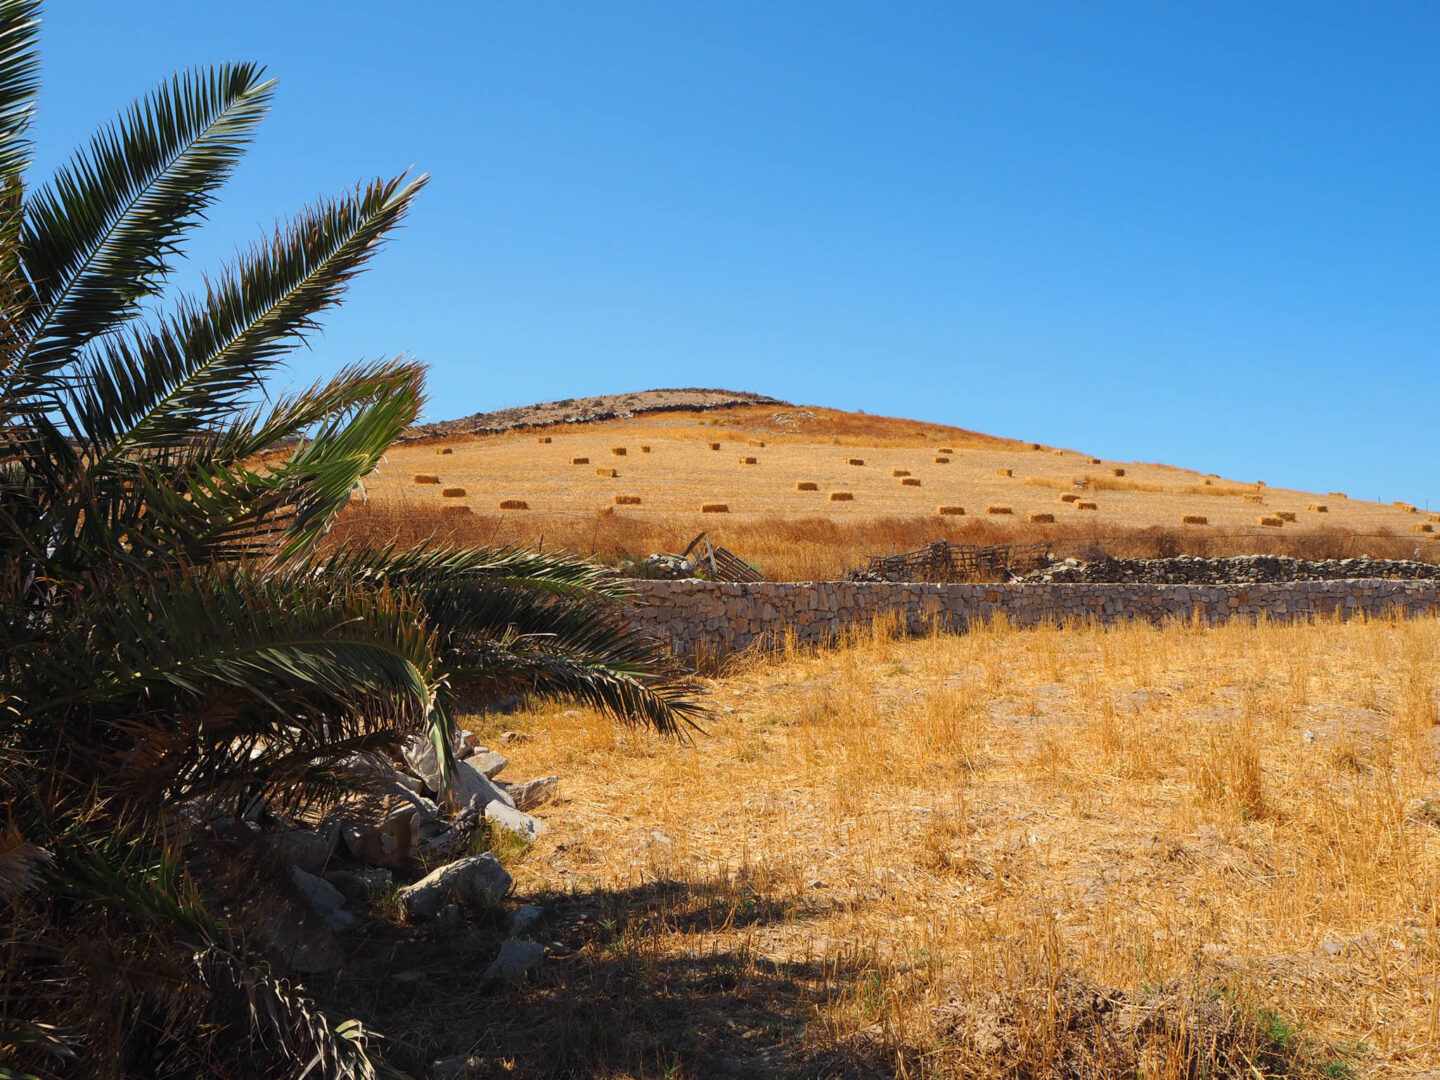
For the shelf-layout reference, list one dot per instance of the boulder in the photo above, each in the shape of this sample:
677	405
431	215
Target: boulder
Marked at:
517	959
533	793
327	900
425	810
309	849
524	917
517	821
476	882
470	785
392	841
421	759
489	762
361	886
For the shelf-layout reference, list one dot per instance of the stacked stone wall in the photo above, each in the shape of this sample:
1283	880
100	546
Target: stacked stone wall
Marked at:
723	617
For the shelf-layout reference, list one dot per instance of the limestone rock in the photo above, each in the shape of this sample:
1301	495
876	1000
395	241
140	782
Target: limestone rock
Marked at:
470	785
421	759
517	821
327	900
533	793
309	849
517	959
524	917
391	842
489	762
476	882
361	886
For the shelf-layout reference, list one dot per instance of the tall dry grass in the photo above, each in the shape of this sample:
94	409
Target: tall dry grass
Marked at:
1077	852
818	549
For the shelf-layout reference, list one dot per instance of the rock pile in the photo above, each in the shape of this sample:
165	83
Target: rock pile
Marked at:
1242	570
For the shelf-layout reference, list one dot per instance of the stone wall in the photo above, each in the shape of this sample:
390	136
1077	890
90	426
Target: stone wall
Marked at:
722	617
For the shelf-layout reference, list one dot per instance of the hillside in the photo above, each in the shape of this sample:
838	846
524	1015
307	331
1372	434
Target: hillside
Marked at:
809	492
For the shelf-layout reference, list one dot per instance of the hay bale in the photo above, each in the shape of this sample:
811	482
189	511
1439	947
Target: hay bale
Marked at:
644	449
1338	495
1272	522
543	439
946	450
855	461
1036	446
1194	519
1069	497
1435	517
444	450
618	451
757	442
1040	518
607	472
714	446
1423	527
1004	472
715	508
1087	506
899	472
627	500
749	461
1208	482
1252	497
909	481
998	510
1319	508
452	493
942	461
425	478
842	496
950	511
514	504
1094	461
455	511
1285	515
1117	471
579	461
807	485
1406	507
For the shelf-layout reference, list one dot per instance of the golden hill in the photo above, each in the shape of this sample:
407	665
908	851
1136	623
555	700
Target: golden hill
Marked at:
807	492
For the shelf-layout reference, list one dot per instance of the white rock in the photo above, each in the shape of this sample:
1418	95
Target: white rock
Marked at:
324	898
421	759
533	793
475	882
489	762
517	821
469	784
517	959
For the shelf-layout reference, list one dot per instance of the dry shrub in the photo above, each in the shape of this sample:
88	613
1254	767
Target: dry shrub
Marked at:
627	500
749	461
425	478
715	508
1039	517
950	511
1270	522
900	472
998	510
514	504
909	481
1004	472
1083	505
807	485
1194	519
842	496
1319	508
444	450
579	461
618	451
1285	515
452	493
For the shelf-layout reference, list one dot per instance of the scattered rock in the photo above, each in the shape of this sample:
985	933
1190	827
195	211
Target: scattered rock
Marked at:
516	737
361	886
533	793
421	759
392	841
475	882
489	762
517	821
425	810
1309	736
467	743
524	918
309	849
517	960
327	900
469	785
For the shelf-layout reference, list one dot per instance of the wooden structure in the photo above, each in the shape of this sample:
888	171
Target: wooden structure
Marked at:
717	564
944	561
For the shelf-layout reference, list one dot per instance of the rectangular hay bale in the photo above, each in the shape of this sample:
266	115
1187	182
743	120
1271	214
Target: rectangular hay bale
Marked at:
1069	497
842	496
514	504
607	472
627	500
1004	472
425	478
579	461
900	472
909	481
444	450
452	493
1319	508
998	510
855	461
807	485
950	511
618	451
715	508
1272	522
1285	515
748	461
1087	506
1040	518
1194	519
942	461
1117	471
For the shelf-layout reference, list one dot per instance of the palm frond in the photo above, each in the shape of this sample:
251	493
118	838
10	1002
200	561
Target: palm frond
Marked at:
19	83
102	234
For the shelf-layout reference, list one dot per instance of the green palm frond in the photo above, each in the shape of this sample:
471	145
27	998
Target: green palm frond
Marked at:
103	234
19	83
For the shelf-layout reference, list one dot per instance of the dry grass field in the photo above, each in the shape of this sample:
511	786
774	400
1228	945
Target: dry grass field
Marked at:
1079	852
624	505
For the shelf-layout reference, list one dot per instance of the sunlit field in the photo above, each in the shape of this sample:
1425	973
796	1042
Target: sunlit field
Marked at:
1052	852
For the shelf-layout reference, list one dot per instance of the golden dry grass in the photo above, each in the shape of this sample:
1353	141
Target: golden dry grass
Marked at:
914	857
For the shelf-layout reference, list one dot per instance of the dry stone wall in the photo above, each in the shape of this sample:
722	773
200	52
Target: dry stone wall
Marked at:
721	617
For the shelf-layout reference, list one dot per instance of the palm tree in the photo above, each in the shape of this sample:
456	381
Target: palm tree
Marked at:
172	641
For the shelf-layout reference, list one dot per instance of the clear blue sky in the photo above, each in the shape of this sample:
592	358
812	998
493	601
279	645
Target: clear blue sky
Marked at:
1204	234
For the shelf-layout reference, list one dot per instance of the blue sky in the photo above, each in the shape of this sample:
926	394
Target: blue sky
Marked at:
1200	234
